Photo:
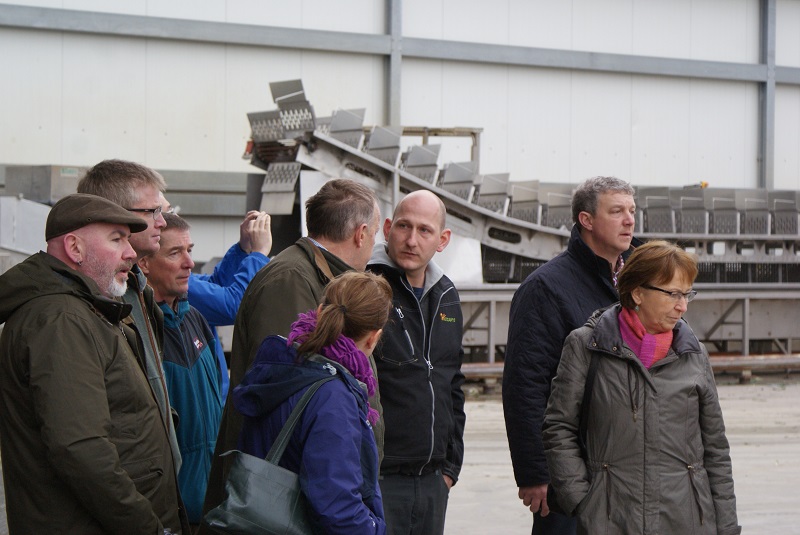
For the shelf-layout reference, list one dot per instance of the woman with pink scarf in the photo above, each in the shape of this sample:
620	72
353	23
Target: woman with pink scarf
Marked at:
333	447
634	434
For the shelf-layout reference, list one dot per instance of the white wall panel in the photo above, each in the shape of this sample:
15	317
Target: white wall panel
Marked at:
423	18
361	16
723	134
266	12
366	16
539	105
717	30
104	113
477	95
660	120
662	29
475	21
333	81
600	141
185	106
213	236
787	33
422	93
30	97
725	30
248	72
787	142
540	23
602	26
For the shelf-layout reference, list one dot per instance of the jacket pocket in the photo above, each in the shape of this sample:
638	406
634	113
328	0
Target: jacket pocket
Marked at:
397	348
593	511
145	473
701	492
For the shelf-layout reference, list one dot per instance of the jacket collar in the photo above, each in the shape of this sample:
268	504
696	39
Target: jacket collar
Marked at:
380	256
606	335
174	318
336	264
43	274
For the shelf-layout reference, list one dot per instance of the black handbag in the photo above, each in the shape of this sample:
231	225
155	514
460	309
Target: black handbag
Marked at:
262	497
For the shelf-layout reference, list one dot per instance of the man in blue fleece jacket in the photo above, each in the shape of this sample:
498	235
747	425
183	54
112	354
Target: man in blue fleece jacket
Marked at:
190	361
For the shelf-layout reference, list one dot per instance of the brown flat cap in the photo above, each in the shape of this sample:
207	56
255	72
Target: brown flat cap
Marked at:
80	209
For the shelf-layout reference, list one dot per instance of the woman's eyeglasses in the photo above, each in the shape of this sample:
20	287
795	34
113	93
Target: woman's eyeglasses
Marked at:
675	296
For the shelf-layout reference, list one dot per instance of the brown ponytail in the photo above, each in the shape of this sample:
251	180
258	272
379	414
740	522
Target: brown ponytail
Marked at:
355	304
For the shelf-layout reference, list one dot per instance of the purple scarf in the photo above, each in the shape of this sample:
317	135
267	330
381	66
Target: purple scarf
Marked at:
343	351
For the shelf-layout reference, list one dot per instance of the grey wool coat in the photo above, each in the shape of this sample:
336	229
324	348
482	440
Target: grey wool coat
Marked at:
658	460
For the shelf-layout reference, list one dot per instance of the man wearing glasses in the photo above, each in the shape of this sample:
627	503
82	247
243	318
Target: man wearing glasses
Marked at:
140	190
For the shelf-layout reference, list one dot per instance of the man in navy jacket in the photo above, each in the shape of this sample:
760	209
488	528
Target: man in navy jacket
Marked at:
553	301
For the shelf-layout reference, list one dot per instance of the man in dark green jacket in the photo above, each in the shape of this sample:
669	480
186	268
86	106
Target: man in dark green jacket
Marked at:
84	449
342	219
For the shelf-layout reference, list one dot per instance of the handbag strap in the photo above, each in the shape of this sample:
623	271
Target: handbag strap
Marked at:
276	451
586	402
319	258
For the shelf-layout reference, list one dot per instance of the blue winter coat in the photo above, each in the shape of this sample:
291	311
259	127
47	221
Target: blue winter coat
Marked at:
333	447
217	296
192	374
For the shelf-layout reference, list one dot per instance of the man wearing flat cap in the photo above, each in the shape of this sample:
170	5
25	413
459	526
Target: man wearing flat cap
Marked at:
84	448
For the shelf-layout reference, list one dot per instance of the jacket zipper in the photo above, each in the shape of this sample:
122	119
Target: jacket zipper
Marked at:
426	356
405	331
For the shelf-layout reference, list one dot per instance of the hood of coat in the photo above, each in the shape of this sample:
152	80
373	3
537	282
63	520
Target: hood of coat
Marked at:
275	376
380	257
43	275
606	335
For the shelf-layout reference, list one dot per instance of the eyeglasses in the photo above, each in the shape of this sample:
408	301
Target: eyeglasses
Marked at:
675	296
155	211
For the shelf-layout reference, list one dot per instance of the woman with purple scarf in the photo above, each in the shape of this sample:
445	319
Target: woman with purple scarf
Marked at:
333	447
644	451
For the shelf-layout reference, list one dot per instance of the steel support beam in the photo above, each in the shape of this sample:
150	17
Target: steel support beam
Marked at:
394	10
583	61
766	130
92	22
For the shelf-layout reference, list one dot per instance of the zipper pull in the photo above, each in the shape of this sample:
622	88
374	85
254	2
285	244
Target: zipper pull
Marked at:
399	312
330	368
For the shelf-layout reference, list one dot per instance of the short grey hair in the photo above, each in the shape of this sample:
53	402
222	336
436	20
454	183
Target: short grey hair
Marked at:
585	197
119	181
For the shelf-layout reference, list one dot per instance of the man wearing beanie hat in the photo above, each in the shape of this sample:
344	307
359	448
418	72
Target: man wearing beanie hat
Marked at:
84	448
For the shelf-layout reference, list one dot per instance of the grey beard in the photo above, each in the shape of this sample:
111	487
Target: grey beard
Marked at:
117	289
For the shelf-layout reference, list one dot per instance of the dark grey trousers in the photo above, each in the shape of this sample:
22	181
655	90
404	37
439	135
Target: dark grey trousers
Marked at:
414	505
554	524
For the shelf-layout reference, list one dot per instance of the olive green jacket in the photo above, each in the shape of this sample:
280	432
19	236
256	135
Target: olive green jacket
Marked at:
84	448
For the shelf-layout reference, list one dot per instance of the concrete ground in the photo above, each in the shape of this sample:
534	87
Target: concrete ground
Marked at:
763	427
763	422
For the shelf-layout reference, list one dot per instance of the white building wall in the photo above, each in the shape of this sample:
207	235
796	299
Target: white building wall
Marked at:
74	99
